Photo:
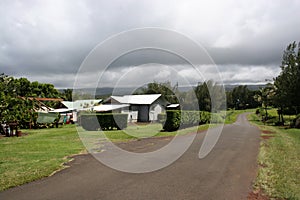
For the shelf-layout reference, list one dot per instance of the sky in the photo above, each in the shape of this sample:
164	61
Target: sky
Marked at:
47	41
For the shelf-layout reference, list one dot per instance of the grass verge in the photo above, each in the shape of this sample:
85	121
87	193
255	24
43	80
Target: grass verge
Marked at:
279	161
37	155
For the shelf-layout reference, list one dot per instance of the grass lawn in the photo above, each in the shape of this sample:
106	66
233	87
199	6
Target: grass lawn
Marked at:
40	153
279	160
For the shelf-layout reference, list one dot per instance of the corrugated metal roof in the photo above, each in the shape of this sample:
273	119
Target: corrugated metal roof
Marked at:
61	110
109	107
173	105
137	99
81	104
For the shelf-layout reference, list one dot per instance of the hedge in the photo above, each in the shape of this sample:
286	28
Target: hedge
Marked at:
108	121
176	119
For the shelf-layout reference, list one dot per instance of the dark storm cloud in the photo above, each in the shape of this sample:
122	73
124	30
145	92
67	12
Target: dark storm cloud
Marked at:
48	40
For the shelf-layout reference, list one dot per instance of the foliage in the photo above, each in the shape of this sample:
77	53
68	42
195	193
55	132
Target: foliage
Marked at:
287	84
210	96
67	94
165	89
176	119
14	102
265	97
241	98
173	120
107	121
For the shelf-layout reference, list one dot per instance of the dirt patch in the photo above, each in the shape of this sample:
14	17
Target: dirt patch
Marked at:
265	137
268	132
257	195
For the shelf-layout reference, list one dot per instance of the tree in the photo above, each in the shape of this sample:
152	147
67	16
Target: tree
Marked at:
168	91
241	98
210	96
14	102
287	84
67	94
203	96
265	96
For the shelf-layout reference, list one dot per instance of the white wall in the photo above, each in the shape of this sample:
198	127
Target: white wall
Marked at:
154	111
132	115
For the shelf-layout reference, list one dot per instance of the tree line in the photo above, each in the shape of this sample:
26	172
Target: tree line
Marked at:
283	93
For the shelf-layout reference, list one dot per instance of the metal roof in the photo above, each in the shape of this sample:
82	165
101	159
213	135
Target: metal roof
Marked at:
137	99
109	107
61	110
173	105
81	104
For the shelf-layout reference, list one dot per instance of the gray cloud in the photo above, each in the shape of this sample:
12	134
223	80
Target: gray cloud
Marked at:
48	40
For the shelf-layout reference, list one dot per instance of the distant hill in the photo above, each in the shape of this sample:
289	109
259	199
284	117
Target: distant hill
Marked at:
250	87
129	90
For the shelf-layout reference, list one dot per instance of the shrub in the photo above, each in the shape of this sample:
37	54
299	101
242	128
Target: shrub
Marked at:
216	118
172	121
109	121
176	119
190	118
204	117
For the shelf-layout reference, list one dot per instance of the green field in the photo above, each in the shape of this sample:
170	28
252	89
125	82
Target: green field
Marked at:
36	155
279	161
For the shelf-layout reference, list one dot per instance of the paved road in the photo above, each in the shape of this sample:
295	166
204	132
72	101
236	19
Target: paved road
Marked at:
226	173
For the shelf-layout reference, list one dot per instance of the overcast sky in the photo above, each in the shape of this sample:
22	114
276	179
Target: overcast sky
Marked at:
48	40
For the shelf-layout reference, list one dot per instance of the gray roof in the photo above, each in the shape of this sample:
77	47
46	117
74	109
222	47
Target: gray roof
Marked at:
81	104
145	99
173	106
109	107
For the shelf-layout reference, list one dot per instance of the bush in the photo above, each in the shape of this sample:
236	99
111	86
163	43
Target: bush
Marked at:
176	119
92	122
172	121
204	117
190	118
216	118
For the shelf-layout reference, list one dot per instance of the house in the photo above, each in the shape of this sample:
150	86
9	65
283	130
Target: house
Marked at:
104	108
86	104
71	108
142	108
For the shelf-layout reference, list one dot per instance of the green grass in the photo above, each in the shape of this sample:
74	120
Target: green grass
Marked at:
31	157
273	115
279	160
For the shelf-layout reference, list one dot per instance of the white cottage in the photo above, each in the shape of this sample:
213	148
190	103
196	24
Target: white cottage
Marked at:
142	108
